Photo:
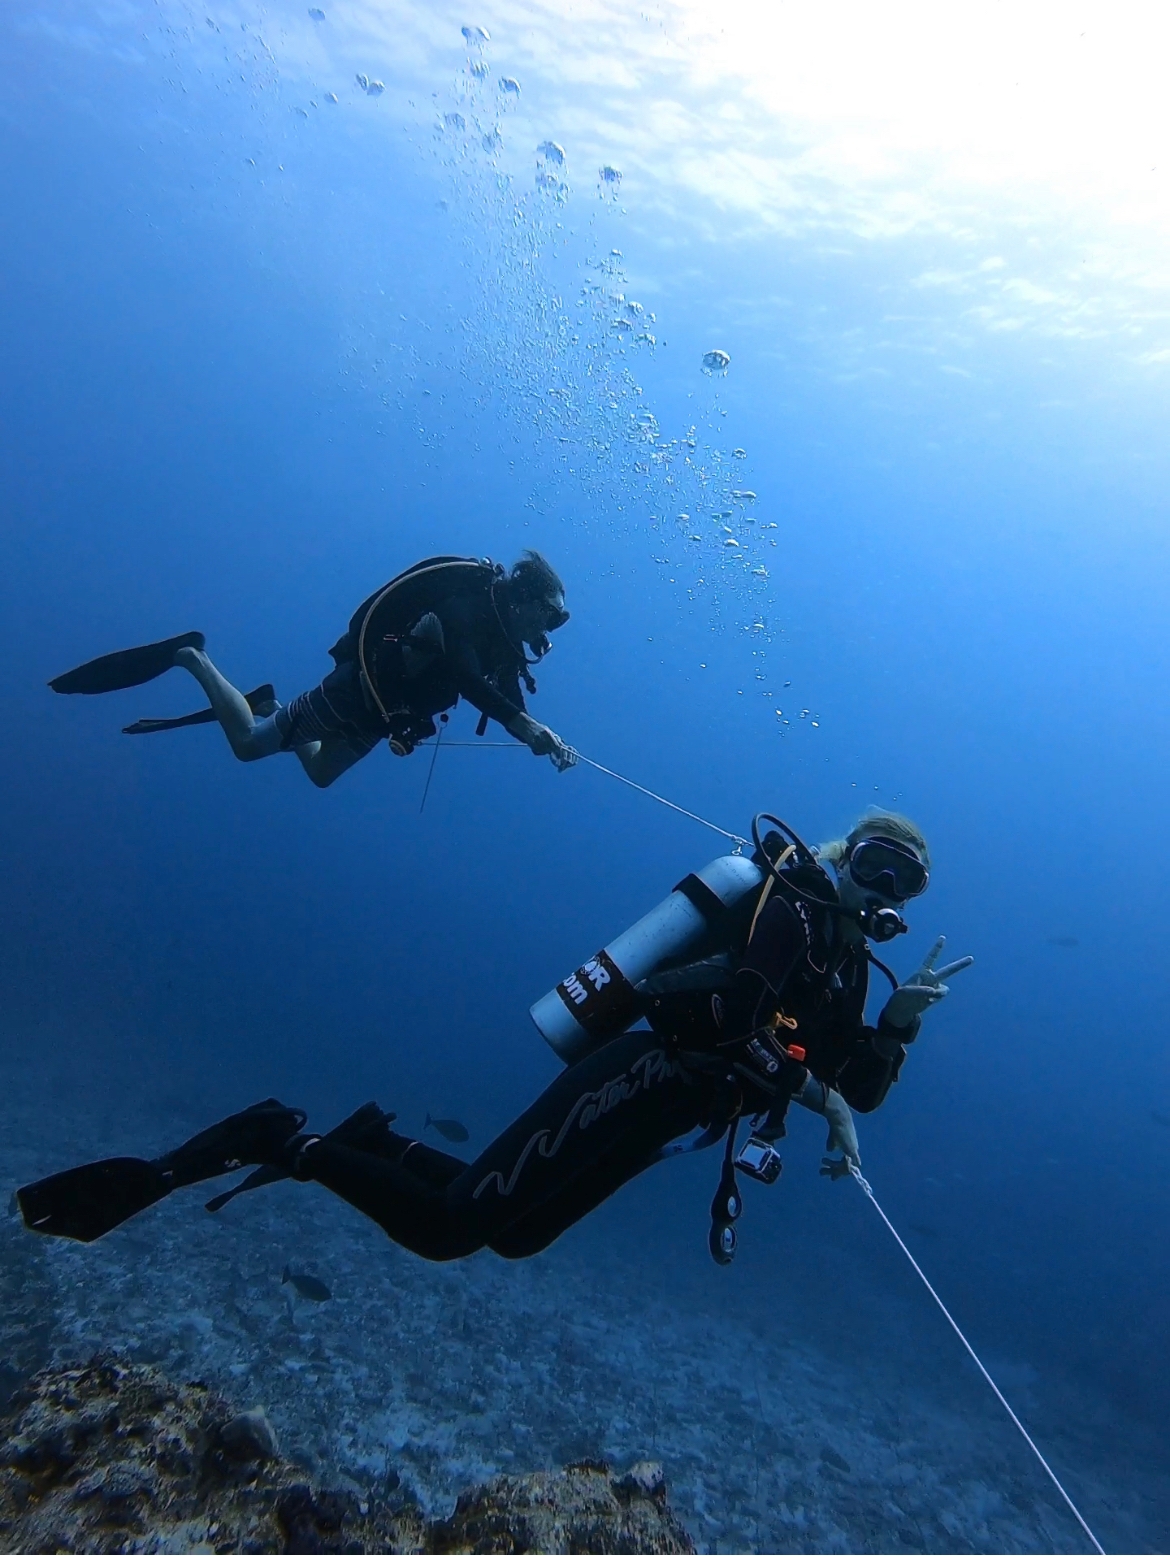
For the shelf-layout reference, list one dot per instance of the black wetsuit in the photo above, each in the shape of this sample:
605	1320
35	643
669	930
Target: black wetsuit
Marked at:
709	1056
413	678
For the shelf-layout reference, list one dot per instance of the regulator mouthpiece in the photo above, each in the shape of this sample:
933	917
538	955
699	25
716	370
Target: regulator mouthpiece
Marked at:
882	924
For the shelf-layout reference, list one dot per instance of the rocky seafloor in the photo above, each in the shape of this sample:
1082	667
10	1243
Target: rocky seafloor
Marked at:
419	1381
114	1456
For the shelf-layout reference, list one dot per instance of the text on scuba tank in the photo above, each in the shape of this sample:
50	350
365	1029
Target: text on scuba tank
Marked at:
594	973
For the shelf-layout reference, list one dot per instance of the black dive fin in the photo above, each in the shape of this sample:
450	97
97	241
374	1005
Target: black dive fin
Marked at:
360	1129
255	700
254	1180
87	1202
128	667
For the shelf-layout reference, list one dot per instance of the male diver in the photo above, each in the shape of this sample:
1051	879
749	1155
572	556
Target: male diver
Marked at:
770	1012
449	627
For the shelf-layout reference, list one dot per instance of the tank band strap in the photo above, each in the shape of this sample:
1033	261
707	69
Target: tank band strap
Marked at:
701	897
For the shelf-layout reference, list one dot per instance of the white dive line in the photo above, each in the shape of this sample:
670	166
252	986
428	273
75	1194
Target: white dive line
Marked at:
740	842
516	745
1097	1546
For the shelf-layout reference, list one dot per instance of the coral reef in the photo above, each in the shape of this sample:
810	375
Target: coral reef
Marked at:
113	1456
581	1508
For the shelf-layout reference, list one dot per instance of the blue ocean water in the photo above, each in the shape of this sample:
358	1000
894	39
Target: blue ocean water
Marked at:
271	335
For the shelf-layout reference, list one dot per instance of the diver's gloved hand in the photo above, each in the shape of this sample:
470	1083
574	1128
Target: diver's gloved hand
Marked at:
819	1098
842	1132
562	756
541	741
926	987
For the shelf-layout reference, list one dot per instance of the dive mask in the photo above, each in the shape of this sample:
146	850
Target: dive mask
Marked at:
555	614
890	868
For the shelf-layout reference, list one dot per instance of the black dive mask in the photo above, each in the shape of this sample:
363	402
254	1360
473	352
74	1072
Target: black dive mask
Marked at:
888	867
555	617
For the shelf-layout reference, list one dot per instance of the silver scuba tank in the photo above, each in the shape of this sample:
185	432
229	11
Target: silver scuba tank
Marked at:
598	1001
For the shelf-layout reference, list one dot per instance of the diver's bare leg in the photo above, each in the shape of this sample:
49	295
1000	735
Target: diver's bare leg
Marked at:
326	760
250	738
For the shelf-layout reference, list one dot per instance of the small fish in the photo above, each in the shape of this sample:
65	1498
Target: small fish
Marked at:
922	1229
307	1286
449	1128
1160	1118
1067	941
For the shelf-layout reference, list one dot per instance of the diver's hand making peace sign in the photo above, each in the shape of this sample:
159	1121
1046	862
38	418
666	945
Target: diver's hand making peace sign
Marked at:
927	986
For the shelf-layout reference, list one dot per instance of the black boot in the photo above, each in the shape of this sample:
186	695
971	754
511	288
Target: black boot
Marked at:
368	1129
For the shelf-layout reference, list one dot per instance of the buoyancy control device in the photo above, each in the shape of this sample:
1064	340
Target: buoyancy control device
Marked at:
378	624
600	1000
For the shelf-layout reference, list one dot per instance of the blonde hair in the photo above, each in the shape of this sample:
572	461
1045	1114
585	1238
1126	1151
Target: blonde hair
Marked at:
877	823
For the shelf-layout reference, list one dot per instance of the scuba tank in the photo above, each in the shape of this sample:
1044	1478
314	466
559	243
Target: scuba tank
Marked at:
599	1000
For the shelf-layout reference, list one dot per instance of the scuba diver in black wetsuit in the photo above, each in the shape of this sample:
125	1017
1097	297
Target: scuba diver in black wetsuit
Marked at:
756	1001
449	627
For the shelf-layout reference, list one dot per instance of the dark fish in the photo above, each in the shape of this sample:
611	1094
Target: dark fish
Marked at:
1160	1118
449	1128
922	1229
306	1285
1067	941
